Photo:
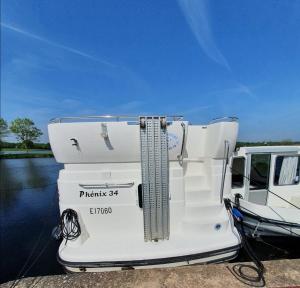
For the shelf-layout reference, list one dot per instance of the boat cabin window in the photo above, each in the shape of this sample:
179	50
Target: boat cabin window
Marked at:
237	170
260	170
287	170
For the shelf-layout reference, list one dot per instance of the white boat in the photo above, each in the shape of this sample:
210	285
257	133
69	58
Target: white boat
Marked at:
266	189
144	191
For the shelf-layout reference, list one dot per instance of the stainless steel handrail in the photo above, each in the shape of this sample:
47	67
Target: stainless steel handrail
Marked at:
117	117
107	185
134	118
224	119
180	156
225	164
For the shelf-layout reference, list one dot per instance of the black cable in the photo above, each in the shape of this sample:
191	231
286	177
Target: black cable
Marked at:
259	269
69	225
238	269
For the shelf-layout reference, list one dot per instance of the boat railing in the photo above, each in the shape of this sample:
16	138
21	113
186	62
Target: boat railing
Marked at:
224	119
224	168
128	118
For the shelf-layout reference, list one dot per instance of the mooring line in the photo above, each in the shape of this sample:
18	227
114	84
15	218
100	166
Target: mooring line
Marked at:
21	273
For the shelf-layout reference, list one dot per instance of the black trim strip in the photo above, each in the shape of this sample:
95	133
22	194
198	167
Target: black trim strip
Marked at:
269	232
270	221
147	262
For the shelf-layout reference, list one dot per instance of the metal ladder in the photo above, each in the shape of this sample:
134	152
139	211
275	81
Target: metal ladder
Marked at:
155	177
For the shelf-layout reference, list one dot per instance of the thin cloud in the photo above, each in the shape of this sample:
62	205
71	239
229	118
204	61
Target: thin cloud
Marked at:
239	90
197	16
55	44
111	70
129	106
196	110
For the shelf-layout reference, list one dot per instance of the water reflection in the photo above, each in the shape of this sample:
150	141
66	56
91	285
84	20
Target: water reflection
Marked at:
35	175
29	211
19	174
10	183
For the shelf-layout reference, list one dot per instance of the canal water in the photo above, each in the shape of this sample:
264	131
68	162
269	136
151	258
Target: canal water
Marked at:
29	211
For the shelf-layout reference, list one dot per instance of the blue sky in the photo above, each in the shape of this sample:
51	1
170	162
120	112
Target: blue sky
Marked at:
198	58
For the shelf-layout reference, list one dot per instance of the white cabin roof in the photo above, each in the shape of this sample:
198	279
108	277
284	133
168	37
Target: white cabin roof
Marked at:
268	149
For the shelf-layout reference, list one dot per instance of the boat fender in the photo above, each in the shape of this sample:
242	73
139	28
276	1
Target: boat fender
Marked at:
237	214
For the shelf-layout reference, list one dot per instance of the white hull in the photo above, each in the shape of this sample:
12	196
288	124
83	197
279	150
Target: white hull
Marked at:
269	221
104	181
216	257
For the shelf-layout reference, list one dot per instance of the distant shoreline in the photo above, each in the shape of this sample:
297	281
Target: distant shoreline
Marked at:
15	153
26	155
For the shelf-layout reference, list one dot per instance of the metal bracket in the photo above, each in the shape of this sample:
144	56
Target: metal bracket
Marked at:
255	230
104	132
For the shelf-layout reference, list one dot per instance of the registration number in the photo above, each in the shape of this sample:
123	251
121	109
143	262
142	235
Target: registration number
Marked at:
102	210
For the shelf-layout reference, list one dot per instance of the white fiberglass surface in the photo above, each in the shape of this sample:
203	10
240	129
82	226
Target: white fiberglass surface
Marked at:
85	143
276	213
216	259
112	221
130	247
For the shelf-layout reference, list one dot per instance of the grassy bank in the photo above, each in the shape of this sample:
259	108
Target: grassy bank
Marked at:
268	143
10	150
22	149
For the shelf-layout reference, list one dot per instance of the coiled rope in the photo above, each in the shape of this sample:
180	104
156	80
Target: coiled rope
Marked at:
238	270
69	225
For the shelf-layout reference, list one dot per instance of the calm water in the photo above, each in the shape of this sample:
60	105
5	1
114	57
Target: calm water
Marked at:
29	211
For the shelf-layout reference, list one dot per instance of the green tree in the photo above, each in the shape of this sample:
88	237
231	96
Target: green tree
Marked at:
25	131
4	131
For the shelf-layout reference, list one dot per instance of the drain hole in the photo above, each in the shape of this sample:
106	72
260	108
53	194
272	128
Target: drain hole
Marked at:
218	226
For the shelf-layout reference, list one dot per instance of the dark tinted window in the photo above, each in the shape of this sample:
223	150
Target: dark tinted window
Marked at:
260	169
237	170
287	170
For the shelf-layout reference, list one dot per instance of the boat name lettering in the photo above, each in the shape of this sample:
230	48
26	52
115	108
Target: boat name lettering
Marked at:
92	194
